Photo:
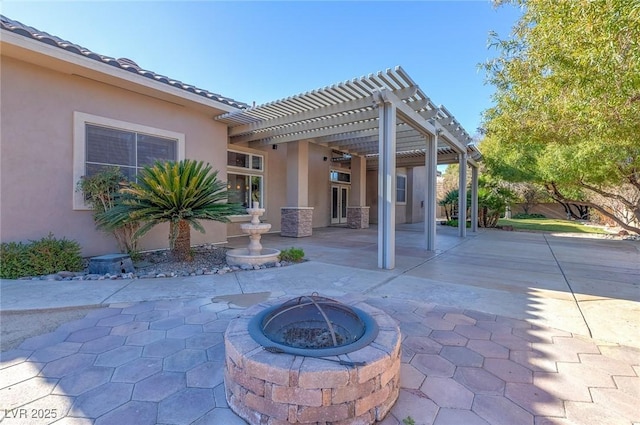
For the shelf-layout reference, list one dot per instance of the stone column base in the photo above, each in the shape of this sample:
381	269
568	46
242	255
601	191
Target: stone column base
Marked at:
296	222
358	217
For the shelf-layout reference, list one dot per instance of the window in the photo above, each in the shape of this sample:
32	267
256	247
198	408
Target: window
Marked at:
245	178
401	189
101	142
128	150
244	189
244	160
340	176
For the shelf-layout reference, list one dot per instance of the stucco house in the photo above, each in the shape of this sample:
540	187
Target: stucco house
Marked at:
358	152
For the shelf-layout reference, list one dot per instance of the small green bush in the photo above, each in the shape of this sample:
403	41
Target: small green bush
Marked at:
521	216
46	256
13	260
293	255
454	223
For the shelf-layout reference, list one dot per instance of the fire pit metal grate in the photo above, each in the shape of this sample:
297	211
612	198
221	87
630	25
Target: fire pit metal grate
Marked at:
313	326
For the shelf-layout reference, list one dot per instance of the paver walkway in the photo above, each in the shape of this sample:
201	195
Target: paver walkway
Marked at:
161	362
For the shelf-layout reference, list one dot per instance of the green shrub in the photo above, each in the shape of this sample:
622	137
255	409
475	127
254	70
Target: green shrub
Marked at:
13	260
46	256
454	223
521	216
293	255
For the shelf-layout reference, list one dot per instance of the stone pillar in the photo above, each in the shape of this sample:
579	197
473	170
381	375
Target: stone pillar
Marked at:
358	217
296	222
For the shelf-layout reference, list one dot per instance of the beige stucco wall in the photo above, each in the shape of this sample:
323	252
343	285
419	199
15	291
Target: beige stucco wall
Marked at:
413	210
416	187
276	184
36	175
319	185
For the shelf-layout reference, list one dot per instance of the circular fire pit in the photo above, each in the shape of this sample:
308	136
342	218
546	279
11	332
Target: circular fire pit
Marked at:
281	367
313	326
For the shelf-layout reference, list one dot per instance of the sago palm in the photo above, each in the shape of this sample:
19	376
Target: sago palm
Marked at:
181	193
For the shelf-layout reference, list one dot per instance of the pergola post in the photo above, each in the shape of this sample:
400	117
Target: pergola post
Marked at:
462	195
387	186
474	198
431	163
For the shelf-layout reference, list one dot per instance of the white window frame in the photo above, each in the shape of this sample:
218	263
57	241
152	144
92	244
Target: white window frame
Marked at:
337	170
249	169
81	119
404	176
251	172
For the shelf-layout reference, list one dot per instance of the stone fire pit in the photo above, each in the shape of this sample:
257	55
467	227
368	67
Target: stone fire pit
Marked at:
276	388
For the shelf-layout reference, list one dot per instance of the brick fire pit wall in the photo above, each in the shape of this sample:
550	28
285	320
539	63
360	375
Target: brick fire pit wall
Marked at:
276	389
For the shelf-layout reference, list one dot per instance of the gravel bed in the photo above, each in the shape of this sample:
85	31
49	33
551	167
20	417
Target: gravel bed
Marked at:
207	260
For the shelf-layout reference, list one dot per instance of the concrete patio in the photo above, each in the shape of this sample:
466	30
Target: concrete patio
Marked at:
499	328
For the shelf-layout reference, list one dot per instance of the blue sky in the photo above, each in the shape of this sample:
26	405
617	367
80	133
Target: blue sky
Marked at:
264	51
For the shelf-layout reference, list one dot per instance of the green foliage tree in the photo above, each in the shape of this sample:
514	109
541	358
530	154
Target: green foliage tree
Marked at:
449	203
180	193
493	199
101	191
567	103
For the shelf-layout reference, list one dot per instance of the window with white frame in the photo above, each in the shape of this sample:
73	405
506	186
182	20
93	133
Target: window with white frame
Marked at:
245	179
401	189
340	176
101	143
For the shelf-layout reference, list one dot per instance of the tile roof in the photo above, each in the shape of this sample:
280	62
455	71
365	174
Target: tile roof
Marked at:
122	63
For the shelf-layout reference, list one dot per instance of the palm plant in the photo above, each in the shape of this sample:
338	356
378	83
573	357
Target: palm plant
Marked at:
449	202
181	193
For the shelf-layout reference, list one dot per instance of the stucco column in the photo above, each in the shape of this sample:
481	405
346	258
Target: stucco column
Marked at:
357	211
387	186
358	181
298	174
431	188
297	217
462	195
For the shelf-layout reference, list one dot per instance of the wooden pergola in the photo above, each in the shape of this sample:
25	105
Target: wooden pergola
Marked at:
385	118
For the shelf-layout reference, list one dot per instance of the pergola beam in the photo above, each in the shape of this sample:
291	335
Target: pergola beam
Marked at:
304	126
315	113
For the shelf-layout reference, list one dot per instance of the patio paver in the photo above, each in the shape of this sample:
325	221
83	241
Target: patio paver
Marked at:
468	376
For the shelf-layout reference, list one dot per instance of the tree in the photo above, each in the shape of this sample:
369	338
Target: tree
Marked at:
181	193
493	199
567	103
449	202
101	191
